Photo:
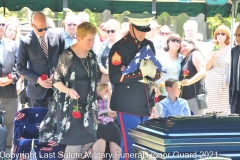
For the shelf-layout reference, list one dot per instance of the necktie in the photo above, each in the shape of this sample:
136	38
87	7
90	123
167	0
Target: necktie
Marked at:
1	52
1	57
44	46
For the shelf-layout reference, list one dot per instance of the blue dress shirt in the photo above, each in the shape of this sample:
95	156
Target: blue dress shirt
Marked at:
178	108
1	52
68	40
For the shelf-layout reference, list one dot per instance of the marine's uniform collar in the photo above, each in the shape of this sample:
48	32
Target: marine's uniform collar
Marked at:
133	40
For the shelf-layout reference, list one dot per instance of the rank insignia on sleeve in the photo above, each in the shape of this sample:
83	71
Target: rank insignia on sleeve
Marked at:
116	59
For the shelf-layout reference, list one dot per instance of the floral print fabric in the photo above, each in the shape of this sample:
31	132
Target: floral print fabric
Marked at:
60	111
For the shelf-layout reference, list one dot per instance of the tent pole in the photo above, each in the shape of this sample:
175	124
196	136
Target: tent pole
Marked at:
65	8
234	14
154	8
4	8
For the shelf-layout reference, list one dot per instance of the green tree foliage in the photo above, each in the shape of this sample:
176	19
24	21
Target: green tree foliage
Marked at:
91	16
217	20
22	15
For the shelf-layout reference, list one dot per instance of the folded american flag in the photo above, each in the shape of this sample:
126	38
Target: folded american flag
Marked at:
144	53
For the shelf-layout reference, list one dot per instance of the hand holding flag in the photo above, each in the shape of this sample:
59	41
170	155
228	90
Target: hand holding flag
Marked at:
144	53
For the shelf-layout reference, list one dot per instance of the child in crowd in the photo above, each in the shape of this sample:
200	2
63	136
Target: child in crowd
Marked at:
172	105
108	131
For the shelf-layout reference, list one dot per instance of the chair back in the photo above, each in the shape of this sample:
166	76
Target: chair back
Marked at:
27	122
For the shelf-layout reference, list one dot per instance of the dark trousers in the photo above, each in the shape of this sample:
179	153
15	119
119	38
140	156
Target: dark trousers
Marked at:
3	138
11	107
235	106
45	102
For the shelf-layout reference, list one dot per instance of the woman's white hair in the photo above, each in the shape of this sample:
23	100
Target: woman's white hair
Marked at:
114	23
190	24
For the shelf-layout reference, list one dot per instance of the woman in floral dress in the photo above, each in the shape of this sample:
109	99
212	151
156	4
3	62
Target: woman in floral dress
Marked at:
218	74
74	109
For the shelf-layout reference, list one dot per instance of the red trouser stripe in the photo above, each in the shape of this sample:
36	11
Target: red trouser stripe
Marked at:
125	146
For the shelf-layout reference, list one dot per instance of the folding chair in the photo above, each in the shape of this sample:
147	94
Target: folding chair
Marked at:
3	131
26	128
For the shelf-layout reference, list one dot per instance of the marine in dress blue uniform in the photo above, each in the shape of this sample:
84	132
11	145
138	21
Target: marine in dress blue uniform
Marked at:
130	97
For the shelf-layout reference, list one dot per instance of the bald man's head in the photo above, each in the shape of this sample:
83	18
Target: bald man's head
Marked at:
39	23
237	35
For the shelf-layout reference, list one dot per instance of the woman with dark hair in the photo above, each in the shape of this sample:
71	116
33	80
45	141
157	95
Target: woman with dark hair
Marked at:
217	77
193	84
170	60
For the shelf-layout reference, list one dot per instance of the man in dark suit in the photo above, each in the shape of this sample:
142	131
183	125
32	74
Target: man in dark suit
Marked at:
38	54
234	85
8	79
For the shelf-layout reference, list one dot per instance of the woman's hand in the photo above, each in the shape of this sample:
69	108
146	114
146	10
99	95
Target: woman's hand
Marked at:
214	55
186	82
73	94
19	84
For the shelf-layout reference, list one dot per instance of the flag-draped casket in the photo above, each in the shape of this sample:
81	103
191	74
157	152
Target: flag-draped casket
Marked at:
192	137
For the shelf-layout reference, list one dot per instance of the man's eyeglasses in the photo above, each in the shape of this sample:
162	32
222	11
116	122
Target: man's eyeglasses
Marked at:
222	34
112	31
164	33
3	24
72	24
42	29
175	40
237	35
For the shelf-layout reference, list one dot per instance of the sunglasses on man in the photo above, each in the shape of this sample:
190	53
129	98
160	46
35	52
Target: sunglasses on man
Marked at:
42	29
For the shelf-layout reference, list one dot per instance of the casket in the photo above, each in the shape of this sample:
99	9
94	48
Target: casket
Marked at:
192	137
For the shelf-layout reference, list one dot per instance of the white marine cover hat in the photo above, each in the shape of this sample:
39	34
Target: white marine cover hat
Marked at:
141	21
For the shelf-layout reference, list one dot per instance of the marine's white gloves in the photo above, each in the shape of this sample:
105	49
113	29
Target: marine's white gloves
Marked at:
147	68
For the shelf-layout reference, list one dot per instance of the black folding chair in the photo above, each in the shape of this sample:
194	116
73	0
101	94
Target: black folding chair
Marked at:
3	131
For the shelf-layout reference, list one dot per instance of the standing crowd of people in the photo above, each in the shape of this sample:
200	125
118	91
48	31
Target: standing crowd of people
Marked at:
77	75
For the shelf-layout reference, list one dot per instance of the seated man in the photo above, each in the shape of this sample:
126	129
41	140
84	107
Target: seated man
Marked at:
172	105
